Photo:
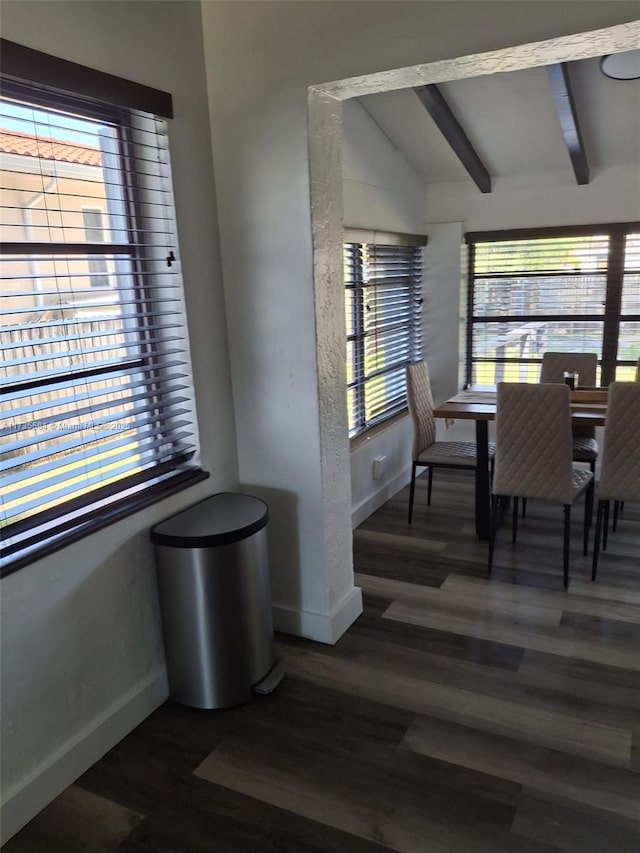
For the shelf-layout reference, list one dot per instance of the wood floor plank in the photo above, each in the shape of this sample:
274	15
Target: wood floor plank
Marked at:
573	829
491	591
390	542
445	643
603	627
396	809
561	641
383	684
588	782
75	822
509	612
581	690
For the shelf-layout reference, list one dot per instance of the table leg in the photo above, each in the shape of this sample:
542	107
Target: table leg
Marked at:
483	497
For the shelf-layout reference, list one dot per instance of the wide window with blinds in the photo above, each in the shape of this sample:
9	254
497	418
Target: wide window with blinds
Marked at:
96	404
564	290
383	302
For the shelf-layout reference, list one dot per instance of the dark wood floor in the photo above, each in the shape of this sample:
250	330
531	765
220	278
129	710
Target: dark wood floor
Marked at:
458	715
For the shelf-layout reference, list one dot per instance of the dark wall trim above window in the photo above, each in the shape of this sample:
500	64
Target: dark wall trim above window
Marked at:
552	231
24	63
384	238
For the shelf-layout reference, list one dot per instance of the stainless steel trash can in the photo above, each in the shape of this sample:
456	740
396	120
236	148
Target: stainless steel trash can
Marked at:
215	600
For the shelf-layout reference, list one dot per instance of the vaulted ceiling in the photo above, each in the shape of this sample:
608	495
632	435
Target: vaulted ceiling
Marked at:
513	125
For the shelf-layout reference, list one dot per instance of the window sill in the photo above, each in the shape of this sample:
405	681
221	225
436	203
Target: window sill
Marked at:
101	518
372	432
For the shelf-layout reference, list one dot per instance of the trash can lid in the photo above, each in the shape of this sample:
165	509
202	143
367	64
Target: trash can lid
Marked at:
218	520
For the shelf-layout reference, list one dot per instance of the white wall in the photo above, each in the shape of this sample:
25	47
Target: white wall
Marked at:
612	195
82	657
381	190
261	57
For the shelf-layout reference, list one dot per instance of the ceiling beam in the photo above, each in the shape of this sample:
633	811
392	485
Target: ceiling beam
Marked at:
568	117
440	111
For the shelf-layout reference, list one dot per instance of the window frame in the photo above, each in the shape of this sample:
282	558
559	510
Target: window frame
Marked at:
364	238
58	84
610	317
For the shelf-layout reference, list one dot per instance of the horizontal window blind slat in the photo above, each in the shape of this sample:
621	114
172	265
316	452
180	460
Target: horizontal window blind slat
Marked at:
81	394
103	365
49	470
112	468
94	427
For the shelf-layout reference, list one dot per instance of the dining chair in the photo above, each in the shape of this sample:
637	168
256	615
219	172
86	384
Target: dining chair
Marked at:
426	451
585	364
533	456
638	370
620	465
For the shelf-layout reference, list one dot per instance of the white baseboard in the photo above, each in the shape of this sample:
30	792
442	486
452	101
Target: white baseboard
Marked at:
322	627
373	502
50	779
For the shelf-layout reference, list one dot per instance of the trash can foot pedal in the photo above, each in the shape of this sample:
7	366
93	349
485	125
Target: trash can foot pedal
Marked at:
270	681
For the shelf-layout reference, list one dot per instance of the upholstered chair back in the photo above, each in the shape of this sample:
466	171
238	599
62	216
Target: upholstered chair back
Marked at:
554	364
533	442
420	406
620	472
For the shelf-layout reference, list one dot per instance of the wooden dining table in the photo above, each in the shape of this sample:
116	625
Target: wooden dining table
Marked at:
588	408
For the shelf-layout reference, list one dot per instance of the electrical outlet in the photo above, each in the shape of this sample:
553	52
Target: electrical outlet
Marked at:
378	467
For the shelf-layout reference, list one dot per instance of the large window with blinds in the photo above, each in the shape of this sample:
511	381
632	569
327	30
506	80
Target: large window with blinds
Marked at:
96	405
561	289
383	303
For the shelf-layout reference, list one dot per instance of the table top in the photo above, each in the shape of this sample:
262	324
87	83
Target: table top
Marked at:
479	404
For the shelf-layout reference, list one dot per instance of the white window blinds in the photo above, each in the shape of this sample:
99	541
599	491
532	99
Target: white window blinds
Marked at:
383	293
566	292
96	399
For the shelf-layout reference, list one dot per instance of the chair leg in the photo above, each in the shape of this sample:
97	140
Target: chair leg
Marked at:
514	521
588	514
429	485
524	507
567	538
596	539
605	526
412	490
493	526
616	510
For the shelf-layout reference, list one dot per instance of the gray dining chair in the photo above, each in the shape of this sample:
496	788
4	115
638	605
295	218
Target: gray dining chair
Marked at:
533	457
426	451
585	364
620	465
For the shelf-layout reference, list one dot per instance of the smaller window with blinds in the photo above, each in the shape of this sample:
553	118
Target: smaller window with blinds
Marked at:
383	305
96	401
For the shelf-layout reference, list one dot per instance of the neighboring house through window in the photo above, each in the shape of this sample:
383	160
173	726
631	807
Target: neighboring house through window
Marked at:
383	304
94	233
558	289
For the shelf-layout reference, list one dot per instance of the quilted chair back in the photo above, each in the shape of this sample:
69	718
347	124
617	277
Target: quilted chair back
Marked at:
620	473
585	364
533	442
554	364
420	407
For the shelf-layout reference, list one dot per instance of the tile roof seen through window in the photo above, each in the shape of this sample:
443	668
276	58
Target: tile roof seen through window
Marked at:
30	145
